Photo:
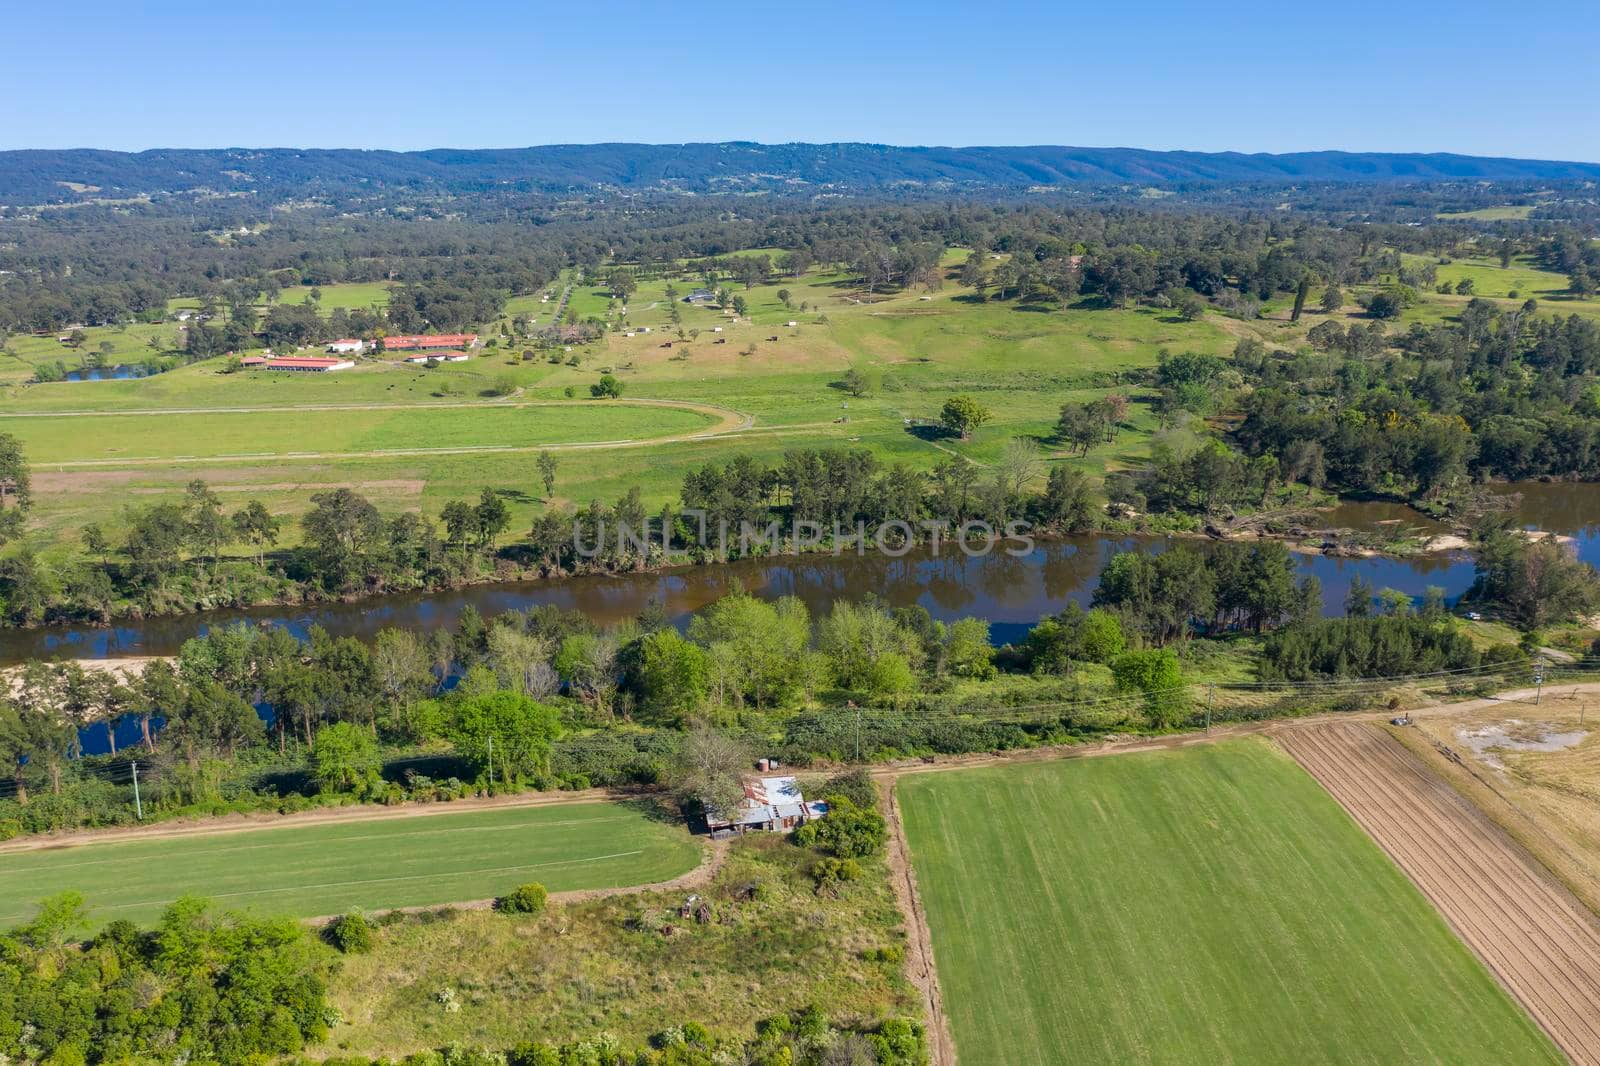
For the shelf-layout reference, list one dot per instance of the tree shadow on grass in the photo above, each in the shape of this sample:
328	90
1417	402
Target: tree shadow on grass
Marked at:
930	432
661	808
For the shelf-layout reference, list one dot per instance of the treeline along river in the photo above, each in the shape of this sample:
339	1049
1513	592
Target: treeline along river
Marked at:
1010	592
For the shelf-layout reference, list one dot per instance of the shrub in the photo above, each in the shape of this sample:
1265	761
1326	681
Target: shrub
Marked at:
855	786
525	899
830	872
10	827
845	832
350	933
899	1040
1155	673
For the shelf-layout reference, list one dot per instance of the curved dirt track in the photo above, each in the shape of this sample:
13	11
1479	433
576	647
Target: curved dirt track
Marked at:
713	854
1541	943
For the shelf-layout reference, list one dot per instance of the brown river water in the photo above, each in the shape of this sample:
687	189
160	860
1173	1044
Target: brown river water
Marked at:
1010	592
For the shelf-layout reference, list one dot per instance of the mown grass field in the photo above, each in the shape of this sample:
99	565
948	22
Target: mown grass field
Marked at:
1207	905
263	433
315	869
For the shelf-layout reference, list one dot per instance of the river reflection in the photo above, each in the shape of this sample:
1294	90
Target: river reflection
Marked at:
1011	592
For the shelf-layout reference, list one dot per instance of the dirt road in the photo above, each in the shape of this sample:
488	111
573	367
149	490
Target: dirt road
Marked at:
919	950
1541	943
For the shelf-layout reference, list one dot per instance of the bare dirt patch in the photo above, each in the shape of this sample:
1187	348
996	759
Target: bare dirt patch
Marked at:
919	950
1489	742
1533	934
62	483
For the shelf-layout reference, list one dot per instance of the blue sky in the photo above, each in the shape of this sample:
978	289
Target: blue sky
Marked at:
1500	79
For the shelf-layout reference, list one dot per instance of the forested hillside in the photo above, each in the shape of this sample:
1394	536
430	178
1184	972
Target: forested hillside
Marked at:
28	177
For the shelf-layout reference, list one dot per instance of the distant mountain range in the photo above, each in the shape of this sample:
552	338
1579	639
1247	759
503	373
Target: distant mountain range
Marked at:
56	176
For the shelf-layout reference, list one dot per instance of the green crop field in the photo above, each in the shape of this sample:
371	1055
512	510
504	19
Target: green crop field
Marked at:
1207	905
333	867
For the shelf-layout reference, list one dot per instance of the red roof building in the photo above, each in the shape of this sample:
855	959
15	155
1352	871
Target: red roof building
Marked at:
311	364
411	342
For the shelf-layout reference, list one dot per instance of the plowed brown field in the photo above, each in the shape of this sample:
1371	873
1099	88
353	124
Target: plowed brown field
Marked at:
1536	937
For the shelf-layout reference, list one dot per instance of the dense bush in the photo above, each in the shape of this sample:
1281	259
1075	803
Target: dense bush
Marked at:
845	832
1384	646
202	986
350	933
805	1038
828	873
524	899
1155	674
1073	636
854	785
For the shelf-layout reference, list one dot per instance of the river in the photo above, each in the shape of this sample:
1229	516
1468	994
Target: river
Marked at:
1010	592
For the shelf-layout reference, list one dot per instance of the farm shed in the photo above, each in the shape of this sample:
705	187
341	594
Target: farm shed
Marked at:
309	364
772	804
700	296
423	341
439	357
346	346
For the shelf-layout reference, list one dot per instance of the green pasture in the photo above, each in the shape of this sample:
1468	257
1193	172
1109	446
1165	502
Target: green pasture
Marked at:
304	431
332	867
206	385
1489	278
1206	905
916	347
348	295
24	352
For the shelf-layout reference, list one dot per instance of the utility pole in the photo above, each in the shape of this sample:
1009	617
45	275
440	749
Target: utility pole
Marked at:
1211	692
1538	679
858	732
491	764
138	808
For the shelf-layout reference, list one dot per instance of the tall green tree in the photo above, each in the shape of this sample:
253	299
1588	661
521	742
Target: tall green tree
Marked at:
342	530
16	487
962	415
506	734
